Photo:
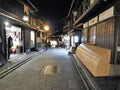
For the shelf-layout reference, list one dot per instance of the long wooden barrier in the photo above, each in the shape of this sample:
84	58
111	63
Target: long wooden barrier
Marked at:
96	59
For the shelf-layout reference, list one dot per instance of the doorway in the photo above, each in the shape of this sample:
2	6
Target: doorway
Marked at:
15	33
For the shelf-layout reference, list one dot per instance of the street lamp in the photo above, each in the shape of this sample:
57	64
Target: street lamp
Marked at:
46	28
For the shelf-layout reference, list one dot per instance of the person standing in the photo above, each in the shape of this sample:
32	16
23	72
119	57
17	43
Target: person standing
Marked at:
46	46
10	44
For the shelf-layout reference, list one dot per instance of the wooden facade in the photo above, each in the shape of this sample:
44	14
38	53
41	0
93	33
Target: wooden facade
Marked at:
13	12
101	34
101	24
101	29
105	33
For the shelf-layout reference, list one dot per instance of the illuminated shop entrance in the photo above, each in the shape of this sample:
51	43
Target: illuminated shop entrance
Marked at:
32	39
15	33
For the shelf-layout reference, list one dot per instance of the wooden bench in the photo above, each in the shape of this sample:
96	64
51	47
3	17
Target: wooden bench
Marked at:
96	59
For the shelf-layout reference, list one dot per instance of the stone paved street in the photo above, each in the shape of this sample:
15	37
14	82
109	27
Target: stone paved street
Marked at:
51	70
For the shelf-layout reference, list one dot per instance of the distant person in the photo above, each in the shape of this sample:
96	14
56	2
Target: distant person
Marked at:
46	46
10	44
49	44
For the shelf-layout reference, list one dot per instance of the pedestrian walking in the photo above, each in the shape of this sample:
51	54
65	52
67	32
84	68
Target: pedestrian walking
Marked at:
46	46
10	44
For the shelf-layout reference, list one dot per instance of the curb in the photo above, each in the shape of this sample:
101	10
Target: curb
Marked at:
14	67
17	65
87	78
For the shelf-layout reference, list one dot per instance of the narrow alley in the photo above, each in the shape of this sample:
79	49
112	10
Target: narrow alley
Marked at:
50	70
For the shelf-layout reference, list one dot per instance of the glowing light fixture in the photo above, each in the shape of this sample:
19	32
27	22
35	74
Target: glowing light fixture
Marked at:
6	23
75	13
25	17
46	28
76	39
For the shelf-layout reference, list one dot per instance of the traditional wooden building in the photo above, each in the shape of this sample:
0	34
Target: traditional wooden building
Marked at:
17	19
99	21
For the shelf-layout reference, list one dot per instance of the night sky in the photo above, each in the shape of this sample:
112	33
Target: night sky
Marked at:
52	10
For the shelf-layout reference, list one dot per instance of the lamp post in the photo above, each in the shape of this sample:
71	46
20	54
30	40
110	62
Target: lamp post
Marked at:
75	13
46	28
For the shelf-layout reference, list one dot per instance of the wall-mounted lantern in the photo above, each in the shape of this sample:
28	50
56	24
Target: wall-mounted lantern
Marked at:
7	23
75	13
25	17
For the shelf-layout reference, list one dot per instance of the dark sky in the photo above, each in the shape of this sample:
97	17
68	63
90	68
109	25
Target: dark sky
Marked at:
53	10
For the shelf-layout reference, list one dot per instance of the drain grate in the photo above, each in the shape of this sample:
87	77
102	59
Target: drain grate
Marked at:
50	69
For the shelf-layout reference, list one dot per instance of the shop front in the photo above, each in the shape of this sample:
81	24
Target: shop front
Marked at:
66	41
30	40
17	42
